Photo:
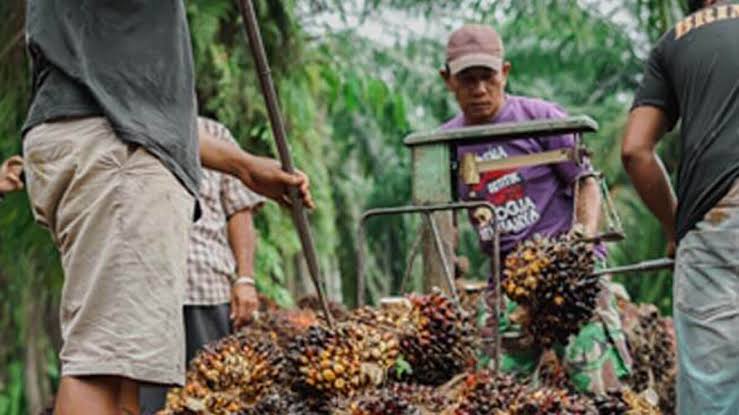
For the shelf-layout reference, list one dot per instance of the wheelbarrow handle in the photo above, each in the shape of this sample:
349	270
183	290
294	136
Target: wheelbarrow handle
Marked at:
650	265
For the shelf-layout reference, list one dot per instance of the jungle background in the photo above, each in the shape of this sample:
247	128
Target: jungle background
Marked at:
354	77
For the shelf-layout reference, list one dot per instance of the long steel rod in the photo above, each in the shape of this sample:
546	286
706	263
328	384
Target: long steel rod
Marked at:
644	266
256	47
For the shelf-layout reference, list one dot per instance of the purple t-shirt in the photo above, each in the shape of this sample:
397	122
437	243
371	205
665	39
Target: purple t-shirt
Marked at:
528	200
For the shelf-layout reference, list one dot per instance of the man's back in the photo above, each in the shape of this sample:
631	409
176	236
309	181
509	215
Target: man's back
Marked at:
692	75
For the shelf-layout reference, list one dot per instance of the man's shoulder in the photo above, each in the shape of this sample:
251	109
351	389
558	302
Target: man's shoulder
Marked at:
532	108
456	122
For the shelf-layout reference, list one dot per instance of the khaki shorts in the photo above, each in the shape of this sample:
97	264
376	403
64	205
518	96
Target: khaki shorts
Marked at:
120	220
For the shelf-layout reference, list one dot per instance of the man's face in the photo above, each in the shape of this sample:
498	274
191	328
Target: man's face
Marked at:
480	91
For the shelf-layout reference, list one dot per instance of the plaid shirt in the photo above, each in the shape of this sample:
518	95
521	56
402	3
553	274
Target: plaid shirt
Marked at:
210	260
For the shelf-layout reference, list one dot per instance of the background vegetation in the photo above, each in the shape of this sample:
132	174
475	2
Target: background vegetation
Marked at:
354	78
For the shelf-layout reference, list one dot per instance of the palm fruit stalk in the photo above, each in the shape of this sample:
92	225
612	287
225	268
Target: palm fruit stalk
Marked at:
326	362
552	278
438	339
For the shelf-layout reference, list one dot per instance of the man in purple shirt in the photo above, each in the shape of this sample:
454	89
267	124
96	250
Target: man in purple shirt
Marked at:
529	200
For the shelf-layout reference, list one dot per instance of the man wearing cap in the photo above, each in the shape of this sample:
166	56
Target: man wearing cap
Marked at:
545	199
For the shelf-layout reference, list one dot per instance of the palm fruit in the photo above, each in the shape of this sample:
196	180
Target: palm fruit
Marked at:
612	403
281	402
284	325
326	362
381	402
229	374
552	279
376	346
437	340
638	405
427	398
312	302
484	394
651	339
544	401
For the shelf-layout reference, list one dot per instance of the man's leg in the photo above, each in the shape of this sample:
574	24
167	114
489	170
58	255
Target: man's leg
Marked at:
706	291
101	395
203	324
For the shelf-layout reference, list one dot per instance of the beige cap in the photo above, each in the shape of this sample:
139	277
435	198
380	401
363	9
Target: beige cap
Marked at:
474	45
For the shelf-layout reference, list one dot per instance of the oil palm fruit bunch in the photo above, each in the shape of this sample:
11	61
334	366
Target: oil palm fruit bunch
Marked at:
437	340
376	346
326	361
611	403
247	362
381	402
552	278
637	404
229	374
281	402
652	342
428	398
545	401
486	394
196	398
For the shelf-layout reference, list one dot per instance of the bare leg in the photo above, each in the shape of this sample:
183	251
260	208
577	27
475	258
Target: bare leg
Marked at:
129	397
103	395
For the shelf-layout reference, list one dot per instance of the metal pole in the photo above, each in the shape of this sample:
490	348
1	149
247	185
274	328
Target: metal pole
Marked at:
278	130
644	266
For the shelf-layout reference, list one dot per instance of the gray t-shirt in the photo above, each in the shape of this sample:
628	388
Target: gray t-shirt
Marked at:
129	61
693	75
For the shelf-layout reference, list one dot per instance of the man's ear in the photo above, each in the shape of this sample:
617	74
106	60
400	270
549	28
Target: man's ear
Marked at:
447	77
504	71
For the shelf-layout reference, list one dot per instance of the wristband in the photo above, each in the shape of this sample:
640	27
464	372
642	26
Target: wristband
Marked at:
244	280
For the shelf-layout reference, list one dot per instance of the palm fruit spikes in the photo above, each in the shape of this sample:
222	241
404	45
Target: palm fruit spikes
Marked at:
437	340
552	279
326	361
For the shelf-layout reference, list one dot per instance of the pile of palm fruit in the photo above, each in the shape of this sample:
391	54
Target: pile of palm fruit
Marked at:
417	355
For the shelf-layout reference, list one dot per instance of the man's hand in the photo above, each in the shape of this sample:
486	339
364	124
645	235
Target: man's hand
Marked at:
262	175
10	173
265	176
244	302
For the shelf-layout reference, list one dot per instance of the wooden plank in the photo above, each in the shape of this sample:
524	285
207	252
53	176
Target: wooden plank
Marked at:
505	131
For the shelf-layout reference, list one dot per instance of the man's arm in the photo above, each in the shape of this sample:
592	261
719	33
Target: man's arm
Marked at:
587	211
645	128
263	175
243	240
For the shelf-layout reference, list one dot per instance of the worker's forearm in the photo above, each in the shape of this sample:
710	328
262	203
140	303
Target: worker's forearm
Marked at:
588	205
653	185
221	155
242	239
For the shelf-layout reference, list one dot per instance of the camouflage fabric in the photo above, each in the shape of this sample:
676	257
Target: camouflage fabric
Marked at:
595	359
